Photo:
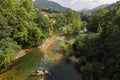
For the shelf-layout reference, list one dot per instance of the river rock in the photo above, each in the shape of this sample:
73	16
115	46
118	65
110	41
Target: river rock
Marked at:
40	72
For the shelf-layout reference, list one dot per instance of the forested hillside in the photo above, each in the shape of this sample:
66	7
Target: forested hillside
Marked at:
50	5
22	25
98	51
90	43
17	28
106	6
113	6
95	9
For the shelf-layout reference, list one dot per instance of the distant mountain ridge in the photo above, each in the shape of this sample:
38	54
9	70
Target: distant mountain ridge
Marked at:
100	7
106	6
86	11
113	6
46	4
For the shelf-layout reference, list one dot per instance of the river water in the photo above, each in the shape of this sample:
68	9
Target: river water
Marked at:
59	68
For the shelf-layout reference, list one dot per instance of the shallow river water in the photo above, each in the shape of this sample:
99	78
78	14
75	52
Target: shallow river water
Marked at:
35	59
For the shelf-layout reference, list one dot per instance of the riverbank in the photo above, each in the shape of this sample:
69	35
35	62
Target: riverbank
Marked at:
43	47
51	59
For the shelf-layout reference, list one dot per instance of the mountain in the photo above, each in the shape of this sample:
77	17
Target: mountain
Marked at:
100	7
86	11
106	6
46	4
113	6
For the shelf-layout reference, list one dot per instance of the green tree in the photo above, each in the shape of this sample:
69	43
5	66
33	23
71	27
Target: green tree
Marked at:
44	23
99	52
35	36
74	20
8	50
8	47
60	22
95	19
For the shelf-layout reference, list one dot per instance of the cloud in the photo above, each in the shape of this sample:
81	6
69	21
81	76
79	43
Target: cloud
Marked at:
82	4
83	1
73	1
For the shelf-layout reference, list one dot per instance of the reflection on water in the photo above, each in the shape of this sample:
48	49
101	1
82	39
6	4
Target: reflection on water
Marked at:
64	71
60	70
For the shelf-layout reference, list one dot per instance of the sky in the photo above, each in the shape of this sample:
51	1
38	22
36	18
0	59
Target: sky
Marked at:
83	4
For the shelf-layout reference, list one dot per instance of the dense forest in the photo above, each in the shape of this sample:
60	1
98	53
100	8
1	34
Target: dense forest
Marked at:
99	50
22	25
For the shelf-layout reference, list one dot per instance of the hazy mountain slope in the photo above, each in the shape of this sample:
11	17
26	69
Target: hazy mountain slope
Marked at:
43	4
100	7
107	6
113	6
97	8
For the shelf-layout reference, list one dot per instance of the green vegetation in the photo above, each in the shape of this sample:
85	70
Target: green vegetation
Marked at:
43	24
8	47
22	25
74	21
26	65
67	49
95	19
99	51
69	22
49	6
17	28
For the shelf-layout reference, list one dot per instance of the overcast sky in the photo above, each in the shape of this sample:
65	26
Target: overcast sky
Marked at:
83	4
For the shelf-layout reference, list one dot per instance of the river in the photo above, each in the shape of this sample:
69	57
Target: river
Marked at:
53	60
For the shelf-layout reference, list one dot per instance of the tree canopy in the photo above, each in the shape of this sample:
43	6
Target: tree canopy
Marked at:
99	52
